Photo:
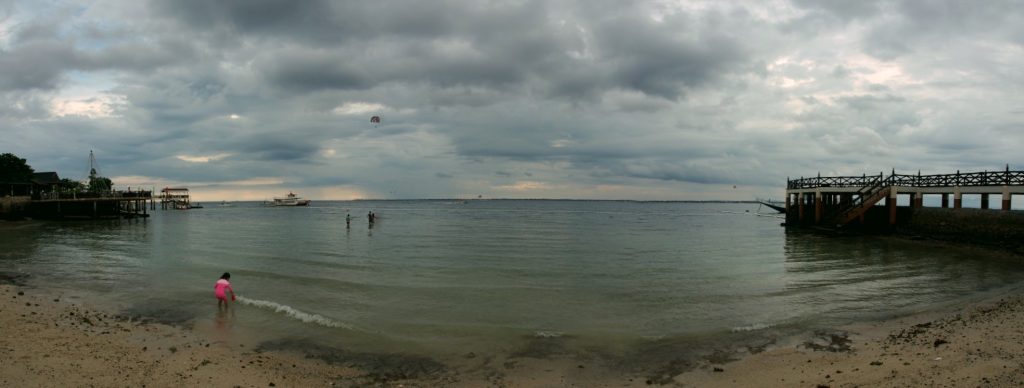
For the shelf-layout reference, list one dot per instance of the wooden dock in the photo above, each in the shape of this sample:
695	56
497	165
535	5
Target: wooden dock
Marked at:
113	204
848	201
175	198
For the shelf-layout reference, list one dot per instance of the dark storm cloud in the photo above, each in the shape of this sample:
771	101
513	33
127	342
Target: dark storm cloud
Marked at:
659	60
279	148
311	71
252	16
452	44
319	22
37	65
39	56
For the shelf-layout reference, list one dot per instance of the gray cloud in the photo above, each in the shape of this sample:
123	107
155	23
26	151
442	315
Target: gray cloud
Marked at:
557	97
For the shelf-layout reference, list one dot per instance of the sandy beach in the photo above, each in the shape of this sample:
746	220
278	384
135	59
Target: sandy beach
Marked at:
980	345
50	341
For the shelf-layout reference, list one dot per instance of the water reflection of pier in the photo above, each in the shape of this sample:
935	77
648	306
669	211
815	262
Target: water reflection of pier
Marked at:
839	201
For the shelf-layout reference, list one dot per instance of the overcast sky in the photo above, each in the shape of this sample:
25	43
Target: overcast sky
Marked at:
655	100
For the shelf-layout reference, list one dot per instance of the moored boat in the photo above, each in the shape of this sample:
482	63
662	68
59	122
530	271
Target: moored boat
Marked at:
290	200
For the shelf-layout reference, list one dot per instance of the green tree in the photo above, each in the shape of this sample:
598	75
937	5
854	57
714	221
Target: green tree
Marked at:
98	184
14	169
71	186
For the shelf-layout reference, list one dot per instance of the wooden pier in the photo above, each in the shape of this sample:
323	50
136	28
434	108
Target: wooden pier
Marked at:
175	198
849	201
112	204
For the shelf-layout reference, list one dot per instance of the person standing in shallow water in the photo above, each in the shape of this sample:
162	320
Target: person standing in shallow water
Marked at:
220	290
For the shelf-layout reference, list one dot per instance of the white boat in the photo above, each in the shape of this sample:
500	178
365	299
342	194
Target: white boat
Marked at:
290	200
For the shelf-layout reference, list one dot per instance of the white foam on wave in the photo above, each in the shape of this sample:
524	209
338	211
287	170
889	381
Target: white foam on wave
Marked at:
293	313
754	327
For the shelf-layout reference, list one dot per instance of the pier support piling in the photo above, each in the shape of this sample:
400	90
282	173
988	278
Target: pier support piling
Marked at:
817	207
890	202
800	206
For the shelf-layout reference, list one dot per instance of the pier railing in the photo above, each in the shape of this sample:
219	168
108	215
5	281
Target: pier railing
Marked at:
834	181
116	194
983	178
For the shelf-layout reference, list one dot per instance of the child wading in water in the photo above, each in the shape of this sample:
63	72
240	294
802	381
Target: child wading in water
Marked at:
219	290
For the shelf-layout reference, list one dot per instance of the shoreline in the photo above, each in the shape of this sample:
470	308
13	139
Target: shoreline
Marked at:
50	338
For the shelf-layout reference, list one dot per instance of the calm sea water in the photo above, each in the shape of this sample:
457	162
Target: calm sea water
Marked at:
444	278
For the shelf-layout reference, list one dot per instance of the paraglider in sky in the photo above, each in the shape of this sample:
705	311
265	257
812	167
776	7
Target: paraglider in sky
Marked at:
375	120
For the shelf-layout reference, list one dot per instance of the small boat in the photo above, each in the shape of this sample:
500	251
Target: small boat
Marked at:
290	200
226	204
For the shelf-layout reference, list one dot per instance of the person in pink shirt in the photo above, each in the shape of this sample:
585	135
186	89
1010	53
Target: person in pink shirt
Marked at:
220	290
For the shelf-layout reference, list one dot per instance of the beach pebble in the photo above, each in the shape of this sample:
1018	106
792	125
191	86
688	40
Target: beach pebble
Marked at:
876	363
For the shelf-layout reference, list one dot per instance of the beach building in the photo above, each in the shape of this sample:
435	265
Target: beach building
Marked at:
45	184
15	197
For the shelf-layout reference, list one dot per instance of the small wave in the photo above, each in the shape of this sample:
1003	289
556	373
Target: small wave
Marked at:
548	334
293	313
754	327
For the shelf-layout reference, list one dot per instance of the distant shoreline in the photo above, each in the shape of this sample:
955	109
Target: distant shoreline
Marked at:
502	199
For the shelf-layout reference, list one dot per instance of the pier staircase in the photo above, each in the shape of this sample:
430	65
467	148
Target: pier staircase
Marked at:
865	199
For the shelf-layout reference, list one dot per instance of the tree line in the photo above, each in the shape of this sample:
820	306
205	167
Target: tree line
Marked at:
17	170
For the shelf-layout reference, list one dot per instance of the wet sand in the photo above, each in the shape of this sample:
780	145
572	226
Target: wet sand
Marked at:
981	345
49	340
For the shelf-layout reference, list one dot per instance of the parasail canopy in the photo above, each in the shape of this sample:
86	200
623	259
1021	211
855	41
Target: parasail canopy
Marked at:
375	119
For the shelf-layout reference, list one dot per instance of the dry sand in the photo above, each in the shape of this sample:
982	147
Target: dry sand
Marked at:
47	340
